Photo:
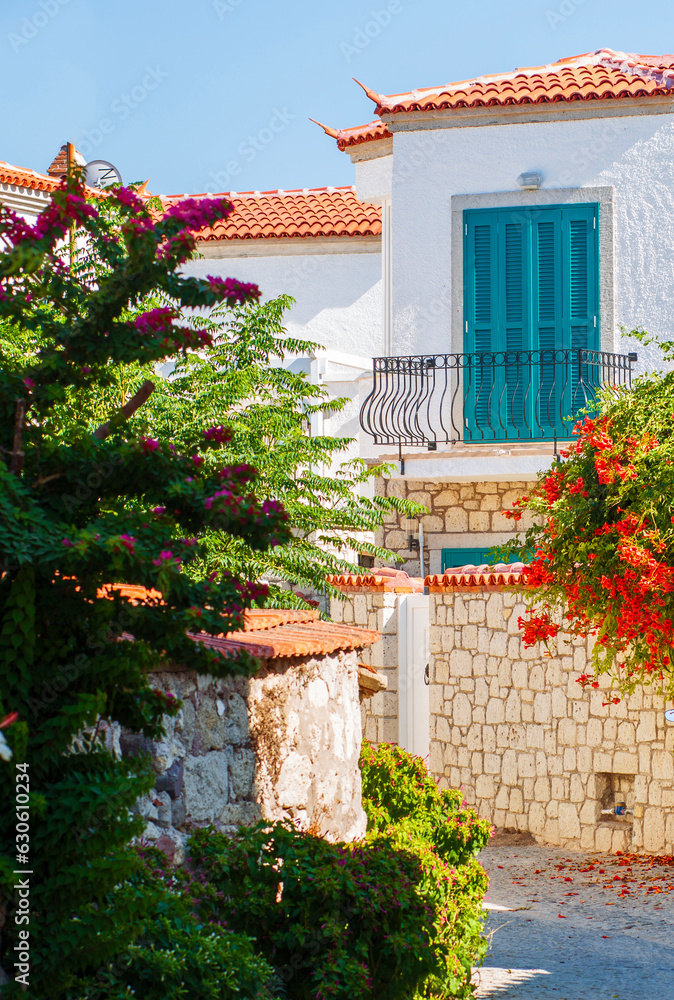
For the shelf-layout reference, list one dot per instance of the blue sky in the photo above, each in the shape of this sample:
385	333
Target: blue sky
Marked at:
216	94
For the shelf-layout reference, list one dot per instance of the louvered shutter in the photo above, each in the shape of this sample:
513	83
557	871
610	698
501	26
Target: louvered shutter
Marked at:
513	261
547	336
531	284
581	307
480	337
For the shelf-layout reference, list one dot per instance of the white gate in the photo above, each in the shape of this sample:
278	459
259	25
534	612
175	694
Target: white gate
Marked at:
413	673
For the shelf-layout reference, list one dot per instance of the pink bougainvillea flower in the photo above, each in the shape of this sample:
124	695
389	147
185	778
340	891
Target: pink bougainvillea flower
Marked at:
218	434
158	511
128	541
166	556
148	445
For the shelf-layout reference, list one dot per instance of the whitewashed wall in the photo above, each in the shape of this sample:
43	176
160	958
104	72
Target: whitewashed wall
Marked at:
338	296
27	202
374	178
634	154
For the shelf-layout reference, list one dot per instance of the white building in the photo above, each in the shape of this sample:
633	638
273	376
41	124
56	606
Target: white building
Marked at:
25	191
527	217
501	233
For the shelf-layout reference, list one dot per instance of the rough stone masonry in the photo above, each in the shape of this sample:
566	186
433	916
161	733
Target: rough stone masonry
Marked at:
283	744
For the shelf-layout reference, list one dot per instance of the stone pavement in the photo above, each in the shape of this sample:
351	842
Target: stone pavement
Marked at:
577	926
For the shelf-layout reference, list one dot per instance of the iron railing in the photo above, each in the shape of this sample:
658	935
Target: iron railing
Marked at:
427	399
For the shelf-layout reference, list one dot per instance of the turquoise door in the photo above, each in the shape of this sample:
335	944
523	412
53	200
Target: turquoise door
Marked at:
531	295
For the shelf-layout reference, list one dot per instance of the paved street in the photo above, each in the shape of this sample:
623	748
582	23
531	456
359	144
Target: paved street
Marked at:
581	927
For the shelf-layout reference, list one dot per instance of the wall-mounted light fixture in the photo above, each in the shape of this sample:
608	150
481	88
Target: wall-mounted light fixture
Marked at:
530	181
412	528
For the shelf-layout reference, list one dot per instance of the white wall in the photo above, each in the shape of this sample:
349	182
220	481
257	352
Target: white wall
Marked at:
27	202
374	179
635	155
338	296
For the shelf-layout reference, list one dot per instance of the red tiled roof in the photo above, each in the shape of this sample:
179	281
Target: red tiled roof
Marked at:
308	638
378	581
267	633
601	75
347	137
25	178
292	214
477	578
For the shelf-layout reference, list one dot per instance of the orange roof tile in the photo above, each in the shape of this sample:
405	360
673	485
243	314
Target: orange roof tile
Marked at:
292	214
25	178
256	619
601	75
267	633
313	638
378	581
347	137
134	593
476	578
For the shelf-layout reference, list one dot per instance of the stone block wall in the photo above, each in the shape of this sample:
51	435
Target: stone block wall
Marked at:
529	748
379	714
460	515
283	745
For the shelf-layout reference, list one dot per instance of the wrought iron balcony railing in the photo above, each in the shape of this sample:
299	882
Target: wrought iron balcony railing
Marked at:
511	396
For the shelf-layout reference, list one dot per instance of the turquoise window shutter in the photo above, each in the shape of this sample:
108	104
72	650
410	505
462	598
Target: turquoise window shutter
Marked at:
531	284
454	558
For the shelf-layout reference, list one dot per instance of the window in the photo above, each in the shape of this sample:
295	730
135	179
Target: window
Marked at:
531	299
453	558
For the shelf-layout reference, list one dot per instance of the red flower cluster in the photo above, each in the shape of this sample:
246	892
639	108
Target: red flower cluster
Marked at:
537	628
613	577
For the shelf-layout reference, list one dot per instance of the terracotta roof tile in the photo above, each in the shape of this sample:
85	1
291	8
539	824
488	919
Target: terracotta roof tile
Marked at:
267	633
25	178
308	212
347	137
601	75
378	581
256	619
314	638
476	578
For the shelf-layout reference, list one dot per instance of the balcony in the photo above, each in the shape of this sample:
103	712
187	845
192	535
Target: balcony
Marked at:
510	396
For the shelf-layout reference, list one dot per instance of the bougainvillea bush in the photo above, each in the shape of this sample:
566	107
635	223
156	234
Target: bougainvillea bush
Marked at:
604	541
183	950
336	921
407	811
84	505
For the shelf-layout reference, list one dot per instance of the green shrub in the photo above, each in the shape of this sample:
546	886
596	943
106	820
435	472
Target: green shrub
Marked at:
405	808
183	951
338	921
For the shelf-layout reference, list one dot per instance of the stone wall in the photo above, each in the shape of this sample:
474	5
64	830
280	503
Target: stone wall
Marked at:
460	515
283	745
529	748
379	611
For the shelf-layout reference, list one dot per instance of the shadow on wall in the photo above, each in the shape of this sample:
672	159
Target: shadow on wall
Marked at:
283	745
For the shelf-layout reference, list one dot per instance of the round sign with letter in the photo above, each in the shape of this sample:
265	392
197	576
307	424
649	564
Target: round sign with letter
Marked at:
669	715
101	174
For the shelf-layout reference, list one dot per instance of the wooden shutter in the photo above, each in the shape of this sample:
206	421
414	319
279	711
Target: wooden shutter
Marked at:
513	265
531	283
481	323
